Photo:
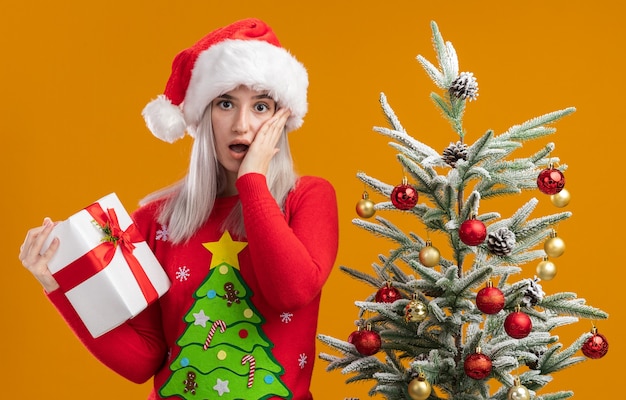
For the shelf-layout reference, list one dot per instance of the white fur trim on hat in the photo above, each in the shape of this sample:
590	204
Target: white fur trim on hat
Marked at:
252	63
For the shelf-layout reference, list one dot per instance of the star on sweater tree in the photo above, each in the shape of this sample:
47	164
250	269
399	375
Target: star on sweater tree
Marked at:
462	328
224	352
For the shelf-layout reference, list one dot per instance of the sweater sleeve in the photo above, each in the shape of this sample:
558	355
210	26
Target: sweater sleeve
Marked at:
136	349
295	251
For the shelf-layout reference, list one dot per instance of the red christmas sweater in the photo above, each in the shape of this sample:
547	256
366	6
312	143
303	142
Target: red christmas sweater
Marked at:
284	265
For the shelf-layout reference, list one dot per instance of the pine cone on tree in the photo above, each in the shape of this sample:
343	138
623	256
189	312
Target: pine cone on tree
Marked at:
455	152
538	351
464	87
501	242
534	293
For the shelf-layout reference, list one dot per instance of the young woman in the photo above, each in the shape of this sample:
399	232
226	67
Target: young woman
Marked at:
246	243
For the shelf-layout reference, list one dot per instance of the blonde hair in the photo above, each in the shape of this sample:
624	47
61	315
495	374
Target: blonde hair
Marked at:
189	202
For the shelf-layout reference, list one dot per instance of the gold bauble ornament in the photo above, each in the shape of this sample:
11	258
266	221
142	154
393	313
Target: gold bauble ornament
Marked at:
419	388
365	207
546	270
518	392
560	199
429	256
415	311
554	246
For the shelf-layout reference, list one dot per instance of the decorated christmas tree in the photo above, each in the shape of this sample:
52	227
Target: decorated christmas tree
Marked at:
460	326
224	353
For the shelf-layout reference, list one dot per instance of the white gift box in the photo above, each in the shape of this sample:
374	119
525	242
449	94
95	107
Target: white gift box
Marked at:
105	294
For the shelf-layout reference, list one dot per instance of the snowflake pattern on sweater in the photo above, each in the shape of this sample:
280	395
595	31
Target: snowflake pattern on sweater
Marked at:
182	274
162	233
286	317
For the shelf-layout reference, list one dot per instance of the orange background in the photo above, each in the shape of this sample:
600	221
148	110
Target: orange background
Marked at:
75	76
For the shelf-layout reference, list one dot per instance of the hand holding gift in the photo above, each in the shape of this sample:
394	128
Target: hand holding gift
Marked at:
34	260
98	258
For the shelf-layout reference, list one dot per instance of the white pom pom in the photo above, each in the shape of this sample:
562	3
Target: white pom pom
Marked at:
164	119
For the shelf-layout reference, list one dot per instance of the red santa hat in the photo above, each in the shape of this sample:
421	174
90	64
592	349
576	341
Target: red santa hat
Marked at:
247	53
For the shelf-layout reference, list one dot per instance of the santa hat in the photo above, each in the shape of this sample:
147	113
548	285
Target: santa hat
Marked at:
247	53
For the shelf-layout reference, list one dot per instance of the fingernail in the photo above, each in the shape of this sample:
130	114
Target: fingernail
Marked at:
47	222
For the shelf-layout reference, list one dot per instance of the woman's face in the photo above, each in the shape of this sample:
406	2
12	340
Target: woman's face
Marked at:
236	117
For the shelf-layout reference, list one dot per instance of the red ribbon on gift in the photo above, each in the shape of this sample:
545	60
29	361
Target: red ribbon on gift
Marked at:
100	256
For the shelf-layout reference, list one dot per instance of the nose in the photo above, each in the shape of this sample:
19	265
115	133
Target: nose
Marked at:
241	122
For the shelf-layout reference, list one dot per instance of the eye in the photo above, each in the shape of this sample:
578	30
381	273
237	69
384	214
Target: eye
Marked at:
225	104
261	107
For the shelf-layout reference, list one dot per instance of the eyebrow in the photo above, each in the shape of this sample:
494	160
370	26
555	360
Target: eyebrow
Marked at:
260	96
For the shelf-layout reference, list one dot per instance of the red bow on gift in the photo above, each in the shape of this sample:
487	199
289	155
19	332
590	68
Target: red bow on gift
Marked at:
100	256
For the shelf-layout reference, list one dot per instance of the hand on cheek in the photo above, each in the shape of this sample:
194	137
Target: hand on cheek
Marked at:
263	147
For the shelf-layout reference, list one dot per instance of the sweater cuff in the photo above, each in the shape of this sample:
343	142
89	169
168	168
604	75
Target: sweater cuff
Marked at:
252	185
56	296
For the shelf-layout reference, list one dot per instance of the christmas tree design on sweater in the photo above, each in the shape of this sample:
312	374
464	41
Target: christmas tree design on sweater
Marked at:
224	353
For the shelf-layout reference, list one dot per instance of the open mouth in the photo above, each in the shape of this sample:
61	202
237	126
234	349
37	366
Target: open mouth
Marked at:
239	148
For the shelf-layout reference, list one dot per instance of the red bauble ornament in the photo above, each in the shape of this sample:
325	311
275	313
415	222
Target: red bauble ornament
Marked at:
489	299
550	181
404	196
353	335
388	294
596	346
517	324
477	365
472	232
367	342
